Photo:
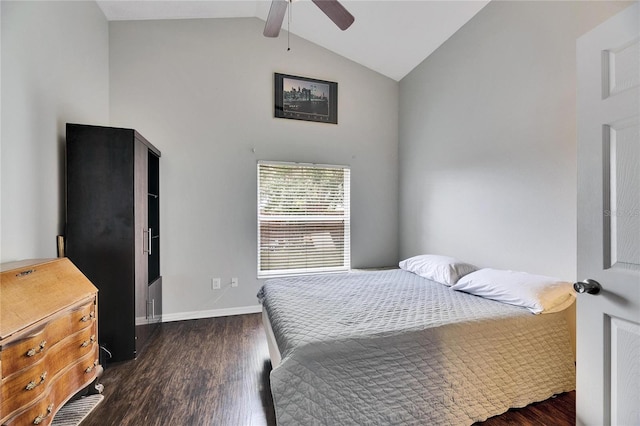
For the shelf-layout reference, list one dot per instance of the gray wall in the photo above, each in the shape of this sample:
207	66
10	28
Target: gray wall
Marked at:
55	69
487	145
202	92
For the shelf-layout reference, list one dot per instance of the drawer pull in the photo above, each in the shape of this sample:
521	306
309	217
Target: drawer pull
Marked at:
32	384
33	351
25	273
88	317
88	342
41	417
90	368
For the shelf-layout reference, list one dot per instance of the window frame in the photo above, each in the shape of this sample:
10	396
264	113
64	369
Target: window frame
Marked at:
346	217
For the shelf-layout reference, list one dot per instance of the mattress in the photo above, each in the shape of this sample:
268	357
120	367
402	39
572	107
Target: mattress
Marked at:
390	347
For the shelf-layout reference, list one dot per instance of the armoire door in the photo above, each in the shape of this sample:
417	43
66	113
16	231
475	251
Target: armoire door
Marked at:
142	242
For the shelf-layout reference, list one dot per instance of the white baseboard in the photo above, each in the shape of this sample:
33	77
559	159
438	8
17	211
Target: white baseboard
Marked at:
241	310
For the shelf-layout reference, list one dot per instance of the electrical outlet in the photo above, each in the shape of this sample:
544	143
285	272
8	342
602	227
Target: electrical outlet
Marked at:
215	283
234	282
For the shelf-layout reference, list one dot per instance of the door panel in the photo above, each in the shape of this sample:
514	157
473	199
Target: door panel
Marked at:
619	66
622	203
624	368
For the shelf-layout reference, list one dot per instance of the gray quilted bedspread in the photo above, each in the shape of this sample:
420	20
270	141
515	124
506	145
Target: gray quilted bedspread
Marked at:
392	348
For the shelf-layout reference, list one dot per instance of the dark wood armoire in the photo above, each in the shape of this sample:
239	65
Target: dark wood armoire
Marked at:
113	230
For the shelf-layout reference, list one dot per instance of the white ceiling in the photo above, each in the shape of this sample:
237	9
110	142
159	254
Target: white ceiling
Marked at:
388	36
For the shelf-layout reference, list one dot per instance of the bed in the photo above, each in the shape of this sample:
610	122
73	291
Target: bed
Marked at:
391	347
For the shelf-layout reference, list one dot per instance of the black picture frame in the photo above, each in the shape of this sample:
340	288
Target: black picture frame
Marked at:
303	98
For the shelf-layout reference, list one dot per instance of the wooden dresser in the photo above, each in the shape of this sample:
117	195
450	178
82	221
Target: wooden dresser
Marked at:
48	347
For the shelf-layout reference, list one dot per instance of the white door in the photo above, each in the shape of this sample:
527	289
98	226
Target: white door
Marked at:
608	323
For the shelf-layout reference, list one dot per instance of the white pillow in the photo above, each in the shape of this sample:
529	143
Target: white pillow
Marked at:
538	293
443	269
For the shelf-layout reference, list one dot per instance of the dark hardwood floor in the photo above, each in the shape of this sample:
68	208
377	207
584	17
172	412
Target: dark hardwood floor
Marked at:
216	372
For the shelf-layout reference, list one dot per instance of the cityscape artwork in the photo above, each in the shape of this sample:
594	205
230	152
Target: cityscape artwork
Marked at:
302	98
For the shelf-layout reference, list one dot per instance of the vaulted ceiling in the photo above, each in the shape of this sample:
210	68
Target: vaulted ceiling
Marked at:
388	36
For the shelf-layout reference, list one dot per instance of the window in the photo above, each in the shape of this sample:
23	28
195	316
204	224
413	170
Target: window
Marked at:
303	219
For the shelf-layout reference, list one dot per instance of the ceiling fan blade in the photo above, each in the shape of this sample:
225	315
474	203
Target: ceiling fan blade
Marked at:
336	12
275	18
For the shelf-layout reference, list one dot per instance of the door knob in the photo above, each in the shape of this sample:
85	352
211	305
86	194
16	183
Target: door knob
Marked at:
587	286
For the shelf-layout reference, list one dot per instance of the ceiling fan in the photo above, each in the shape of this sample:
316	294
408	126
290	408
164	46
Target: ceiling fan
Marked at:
332	8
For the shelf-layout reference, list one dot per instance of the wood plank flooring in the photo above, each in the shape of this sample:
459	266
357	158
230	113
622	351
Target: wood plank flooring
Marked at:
216	372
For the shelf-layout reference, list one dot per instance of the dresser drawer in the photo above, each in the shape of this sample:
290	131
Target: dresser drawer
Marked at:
40	413
83	316
32	348
43	410
23	386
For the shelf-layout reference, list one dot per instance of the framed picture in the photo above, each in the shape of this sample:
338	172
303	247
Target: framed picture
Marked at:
302	98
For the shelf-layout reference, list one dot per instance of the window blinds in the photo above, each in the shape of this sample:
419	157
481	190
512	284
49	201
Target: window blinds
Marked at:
303	219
